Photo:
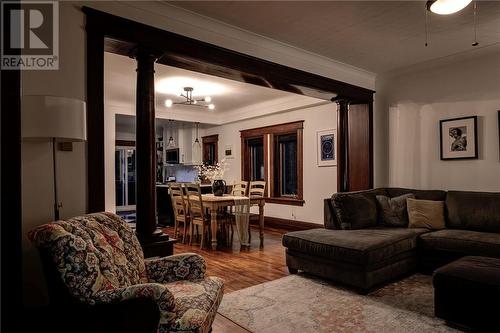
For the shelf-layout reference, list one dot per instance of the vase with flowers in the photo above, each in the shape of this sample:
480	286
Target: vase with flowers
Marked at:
214	173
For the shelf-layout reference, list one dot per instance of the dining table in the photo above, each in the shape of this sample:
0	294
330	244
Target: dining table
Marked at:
212	203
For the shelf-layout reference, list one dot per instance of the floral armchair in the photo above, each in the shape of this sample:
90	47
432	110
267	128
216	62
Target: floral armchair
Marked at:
100	261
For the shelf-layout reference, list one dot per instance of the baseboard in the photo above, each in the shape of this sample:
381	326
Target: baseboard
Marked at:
286	224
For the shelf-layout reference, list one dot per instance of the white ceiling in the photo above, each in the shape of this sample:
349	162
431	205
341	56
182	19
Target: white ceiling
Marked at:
378	36
233	100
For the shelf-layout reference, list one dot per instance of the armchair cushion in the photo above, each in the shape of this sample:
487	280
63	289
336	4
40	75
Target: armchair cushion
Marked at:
186	266
160	293
196	303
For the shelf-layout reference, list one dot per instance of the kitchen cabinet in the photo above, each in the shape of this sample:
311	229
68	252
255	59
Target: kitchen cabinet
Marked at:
184	136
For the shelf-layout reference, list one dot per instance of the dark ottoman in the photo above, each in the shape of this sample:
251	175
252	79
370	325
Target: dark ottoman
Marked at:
467	293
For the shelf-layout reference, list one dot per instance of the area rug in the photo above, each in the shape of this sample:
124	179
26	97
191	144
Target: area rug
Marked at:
302	304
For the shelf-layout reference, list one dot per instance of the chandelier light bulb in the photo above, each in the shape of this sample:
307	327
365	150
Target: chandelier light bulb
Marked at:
208	99
211	106
168	103
446	7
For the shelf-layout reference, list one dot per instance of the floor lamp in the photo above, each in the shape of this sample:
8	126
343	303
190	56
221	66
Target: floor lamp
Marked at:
56	119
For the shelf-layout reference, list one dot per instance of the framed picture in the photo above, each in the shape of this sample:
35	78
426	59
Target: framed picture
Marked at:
327	147
228	151
458	138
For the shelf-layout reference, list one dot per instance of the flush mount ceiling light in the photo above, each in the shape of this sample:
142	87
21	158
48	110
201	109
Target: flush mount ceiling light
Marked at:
446	7
189	100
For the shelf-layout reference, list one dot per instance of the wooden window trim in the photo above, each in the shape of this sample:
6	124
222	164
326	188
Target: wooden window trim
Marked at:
268	133
125	143
209	139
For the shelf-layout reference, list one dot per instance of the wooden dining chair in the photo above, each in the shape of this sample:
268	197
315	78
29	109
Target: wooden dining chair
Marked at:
256	189
180	208
197	212
240	188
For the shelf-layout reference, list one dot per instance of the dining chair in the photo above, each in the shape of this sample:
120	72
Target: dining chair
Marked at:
256	189
197	212
180	208
240	188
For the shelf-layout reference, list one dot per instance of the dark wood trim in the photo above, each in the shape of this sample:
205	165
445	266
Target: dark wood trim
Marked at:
499	134
125	143
210	138
371	157
286	224
11	215
300	165
95	121
274	129
285	201
145	145
268	164
106	32
206	142
184	52
268	133
343	145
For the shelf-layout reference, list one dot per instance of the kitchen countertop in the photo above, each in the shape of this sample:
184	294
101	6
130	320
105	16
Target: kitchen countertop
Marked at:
166	185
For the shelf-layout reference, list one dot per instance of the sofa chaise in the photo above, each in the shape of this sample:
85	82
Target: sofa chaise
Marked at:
356	249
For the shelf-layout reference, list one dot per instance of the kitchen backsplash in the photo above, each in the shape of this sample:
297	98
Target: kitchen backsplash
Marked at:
182	173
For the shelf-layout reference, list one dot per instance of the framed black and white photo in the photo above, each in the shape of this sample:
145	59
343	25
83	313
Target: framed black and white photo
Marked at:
327	147
228	151
458	138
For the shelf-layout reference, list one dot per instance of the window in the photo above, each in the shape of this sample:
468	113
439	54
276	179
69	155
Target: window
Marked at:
256	158
285	162
210	149
274	154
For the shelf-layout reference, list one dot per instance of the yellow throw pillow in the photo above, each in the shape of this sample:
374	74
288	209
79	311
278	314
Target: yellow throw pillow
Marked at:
425	214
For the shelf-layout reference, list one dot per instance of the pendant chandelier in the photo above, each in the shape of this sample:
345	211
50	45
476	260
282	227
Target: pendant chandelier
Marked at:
197	148
189	100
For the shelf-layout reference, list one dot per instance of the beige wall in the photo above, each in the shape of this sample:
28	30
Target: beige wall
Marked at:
319	182
415	100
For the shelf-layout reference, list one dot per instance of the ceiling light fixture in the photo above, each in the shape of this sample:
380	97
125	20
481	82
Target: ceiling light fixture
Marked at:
446	7
188	95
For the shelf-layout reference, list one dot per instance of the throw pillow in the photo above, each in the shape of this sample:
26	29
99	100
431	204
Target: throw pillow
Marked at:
393	212
425	214
355	210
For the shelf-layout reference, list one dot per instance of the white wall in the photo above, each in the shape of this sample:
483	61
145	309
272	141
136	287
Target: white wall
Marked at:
69	81
319	182
416	99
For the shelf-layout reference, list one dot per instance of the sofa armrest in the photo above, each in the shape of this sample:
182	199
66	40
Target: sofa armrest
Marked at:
157	292
186	266
330	219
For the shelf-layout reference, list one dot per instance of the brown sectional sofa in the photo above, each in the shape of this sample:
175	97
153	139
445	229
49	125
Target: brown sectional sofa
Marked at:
356	249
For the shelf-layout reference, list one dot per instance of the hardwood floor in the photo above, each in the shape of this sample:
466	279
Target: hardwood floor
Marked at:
241	268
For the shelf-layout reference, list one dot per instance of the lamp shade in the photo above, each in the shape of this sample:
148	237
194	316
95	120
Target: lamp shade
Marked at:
446	7
44	117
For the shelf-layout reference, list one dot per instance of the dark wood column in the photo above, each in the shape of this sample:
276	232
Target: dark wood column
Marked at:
343	145
153	240
145	145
